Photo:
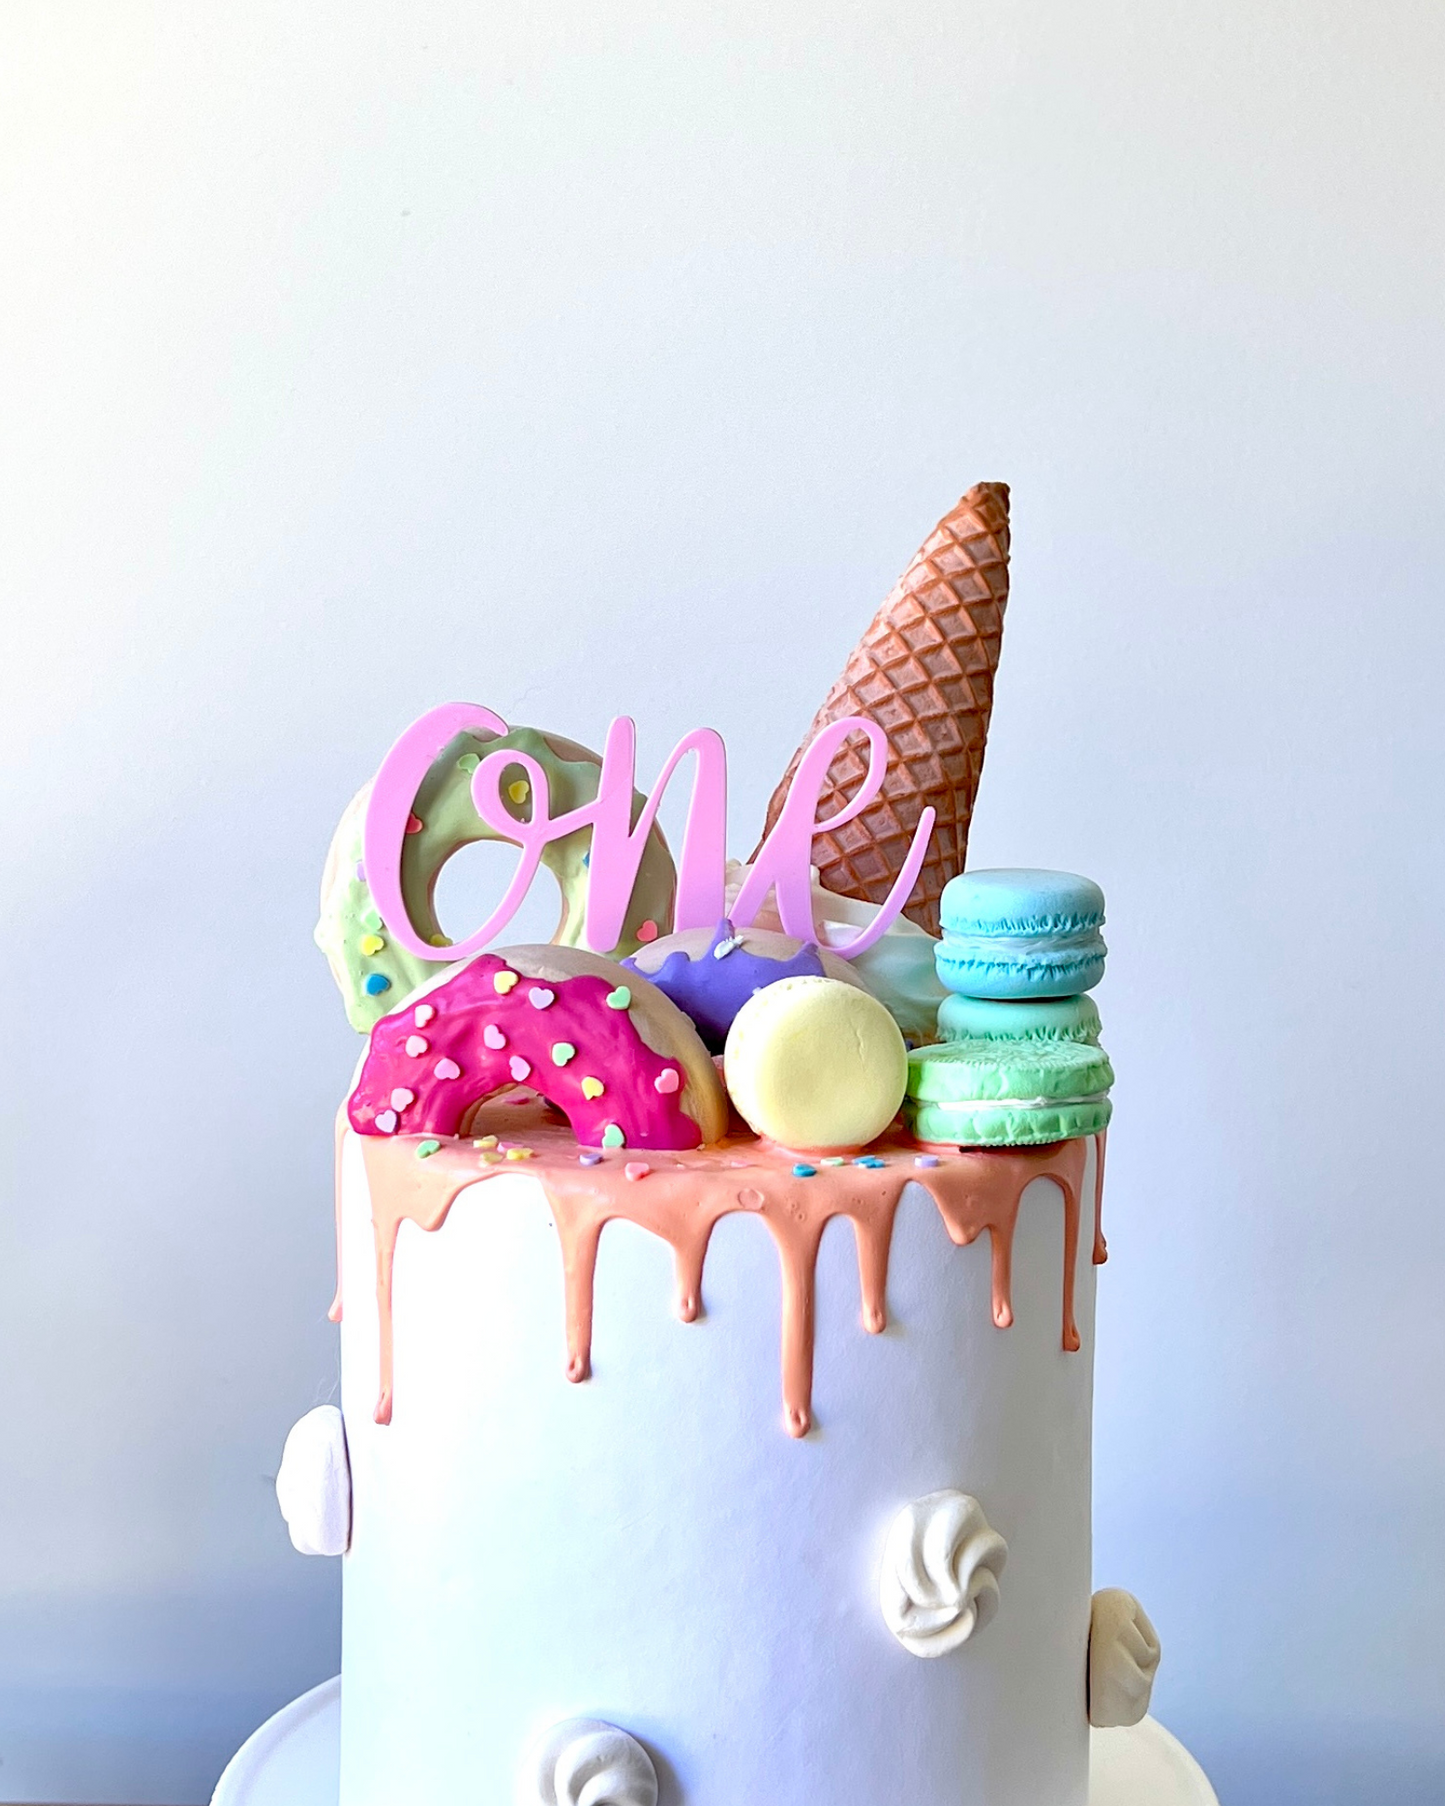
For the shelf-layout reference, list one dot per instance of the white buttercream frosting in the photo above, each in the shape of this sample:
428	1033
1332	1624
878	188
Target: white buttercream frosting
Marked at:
1123	1658
940	1573
313	1486
898	969
587	1762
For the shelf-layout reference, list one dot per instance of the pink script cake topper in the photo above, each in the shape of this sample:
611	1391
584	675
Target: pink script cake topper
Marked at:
782	863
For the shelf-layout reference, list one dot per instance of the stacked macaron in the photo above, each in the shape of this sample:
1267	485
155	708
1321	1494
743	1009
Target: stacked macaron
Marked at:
1020	1061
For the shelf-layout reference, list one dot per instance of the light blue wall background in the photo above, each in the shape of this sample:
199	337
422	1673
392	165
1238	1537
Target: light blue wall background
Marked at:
587	356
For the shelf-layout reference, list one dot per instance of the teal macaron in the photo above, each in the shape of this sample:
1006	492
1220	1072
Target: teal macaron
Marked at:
1008	1093
1022	1019
1020	934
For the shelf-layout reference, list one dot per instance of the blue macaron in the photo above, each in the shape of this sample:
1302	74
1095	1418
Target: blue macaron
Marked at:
1018	934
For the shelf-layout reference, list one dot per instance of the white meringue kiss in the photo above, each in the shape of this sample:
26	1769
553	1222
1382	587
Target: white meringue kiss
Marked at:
940	1573
1123	1658
313	1486
586	1762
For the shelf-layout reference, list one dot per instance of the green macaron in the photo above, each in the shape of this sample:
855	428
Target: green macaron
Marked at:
1027	1019
979	1093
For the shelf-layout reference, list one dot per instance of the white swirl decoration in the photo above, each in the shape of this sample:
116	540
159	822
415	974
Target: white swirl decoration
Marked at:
313	1485
1123	1658
940	1573
585	1762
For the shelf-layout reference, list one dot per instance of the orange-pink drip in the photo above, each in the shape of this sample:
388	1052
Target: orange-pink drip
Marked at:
684	1194
1101	1247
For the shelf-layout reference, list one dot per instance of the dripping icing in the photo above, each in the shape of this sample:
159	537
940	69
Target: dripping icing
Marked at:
687	1193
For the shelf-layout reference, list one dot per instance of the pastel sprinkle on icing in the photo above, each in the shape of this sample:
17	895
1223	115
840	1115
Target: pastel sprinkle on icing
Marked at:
612	1137
620	999
416	1045
493	1037
667	1081
562	1052
401	1097
414	824
519	1153
835	1160
502	982
469	761
372	944
636	1169
541	998
519	1068
423	1014
438	940
375	983
485	1141
425	1149
519	790
371	918
925	1160
647	931
801	1170
727	946
869	1160
589	1159
360	872
592	1088
447	1069
386	1121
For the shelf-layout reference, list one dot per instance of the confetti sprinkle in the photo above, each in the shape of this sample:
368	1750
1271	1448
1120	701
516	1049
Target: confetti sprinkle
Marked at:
386	1121
485	1141
416	1045
423	1014
401	1097
801	1170
519	1068
647	931
519	1153
612	1137
502	982
414	824
360	872
375	983
447	1069
834	1160
592	1088
636	1169
469	761
519	791
425	1149
541	998
750	1198
620	999
667	1081
562	1052
371	918
493	1037
925	1160
438	940
869	1160
589	1159
371	945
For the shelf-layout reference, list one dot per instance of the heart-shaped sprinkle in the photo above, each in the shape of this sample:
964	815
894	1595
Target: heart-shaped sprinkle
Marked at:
541	998
401	1097
519	1068
371	918
502	982
375	983
519	1153
647	931
423	1014
371	944
414	824
493	1037
562	1052
386	1121
416	1045
425	1149
469	761
589	1159
619	999
667	1081
592	1088
360	872
447	1069
612	1137
485	1141
519	790
750	1198
636	1169
438	940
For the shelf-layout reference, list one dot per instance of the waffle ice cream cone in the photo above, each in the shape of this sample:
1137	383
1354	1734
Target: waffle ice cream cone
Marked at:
924	672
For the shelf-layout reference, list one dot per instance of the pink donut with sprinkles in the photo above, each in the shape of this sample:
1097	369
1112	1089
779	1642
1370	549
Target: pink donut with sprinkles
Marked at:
607	1048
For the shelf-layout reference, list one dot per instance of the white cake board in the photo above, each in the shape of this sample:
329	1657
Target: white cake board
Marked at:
294	1760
